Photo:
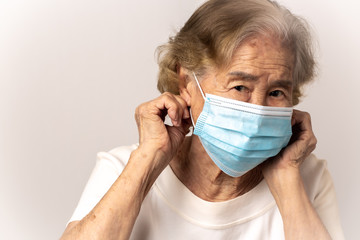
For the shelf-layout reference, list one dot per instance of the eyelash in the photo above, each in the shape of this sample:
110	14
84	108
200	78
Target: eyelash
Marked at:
278	91
241	88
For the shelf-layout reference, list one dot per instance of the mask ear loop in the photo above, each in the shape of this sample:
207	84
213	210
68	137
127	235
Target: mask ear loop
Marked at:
203	95
197	81
191	117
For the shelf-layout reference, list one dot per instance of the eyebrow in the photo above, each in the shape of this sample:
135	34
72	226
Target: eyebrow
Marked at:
250	77
287	84
244	75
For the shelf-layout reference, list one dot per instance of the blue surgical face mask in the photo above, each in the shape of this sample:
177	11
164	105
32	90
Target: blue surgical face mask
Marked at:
238	135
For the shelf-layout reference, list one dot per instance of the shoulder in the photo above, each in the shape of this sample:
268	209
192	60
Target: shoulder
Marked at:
117	157
312	166
315	175
321	191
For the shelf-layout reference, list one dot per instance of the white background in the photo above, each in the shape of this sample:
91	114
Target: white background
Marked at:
72	73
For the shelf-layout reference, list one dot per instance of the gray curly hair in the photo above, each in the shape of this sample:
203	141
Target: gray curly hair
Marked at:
214	31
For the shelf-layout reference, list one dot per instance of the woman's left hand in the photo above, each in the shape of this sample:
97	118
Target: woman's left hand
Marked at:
282	175
302	143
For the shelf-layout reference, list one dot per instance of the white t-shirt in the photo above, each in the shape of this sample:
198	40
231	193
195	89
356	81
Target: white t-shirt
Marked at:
171	211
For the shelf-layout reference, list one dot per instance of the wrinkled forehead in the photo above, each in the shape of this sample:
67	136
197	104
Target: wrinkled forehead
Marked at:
263	51
257	56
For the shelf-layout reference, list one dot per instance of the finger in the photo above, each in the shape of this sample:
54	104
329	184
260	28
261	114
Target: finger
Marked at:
184	107
302	120
303	139
171	104
179	111
300	116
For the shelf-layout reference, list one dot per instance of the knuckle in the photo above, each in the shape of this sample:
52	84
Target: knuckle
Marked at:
137	110
182	102
314	141
307	115
140	110
167	95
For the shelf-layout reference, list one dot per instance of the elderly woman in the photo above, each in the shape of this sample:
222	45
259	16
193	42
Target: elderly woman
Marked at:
233	72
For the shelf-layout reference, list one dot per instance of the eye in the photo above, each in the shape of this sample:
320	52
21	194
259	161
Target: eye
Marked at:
241	88
241	93
276	93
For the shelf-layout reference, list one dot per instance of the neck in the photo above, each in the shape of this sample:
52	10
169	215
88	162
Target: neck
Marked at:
200	175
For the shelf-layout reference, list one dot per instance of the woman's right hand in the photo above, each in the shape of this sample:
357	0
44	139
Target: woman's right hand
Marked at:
115	215
157	136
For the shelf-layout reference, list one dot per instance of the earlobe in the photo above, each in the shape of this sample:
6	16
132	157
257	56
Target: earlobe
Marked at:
183	84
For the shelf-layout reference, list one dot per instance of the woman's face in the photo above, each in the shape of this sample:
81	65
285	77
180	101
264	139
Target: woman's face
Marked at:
260	73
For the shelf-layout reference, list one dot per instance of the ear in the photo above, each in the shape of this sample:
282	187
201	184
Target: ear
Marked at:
183	84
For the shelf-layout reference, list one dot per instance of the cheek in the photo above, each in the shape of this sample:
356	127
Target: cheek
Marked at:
284	101
274	103
197	104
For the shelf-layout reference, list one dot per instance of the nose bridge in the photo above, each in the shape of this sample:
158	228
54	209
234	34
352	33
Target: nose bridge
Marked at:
258	97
